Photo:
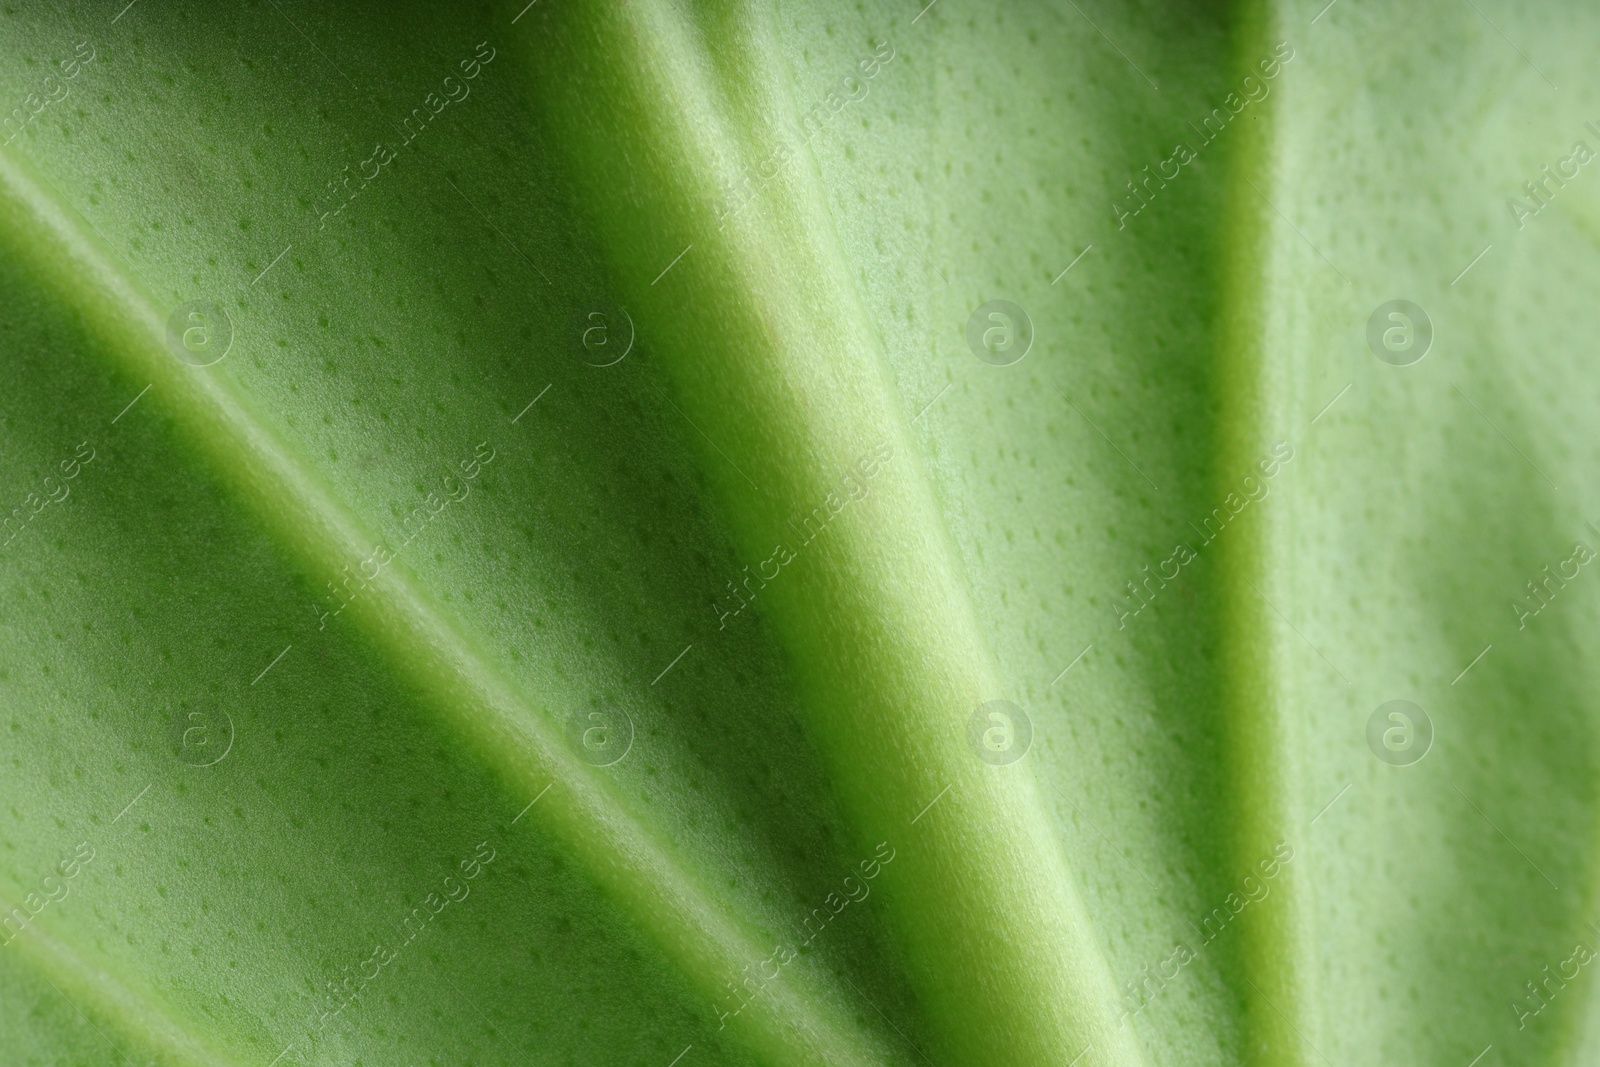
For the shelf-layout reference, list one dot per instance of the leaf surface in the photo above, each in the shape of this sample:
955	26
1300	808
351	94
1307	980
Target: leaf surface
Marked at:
425	692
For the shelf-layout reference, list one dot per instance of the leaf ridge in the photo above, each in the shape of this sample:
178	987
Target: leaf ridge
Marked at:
776	359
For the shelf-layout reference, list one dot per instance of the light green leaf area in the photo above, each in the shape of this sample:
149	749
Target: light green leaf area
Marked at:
407	686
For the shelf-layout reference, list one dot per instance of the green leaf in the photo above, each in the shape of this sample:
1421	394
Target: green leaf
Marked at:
529	540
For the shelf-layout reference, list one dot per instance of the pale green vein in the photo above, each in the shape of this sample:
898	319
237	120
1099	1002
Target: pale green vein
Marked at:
1264	753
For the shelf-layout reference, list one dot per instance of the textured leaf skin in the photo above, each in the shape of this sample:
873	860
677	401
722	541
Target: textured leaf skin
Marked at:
812	327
